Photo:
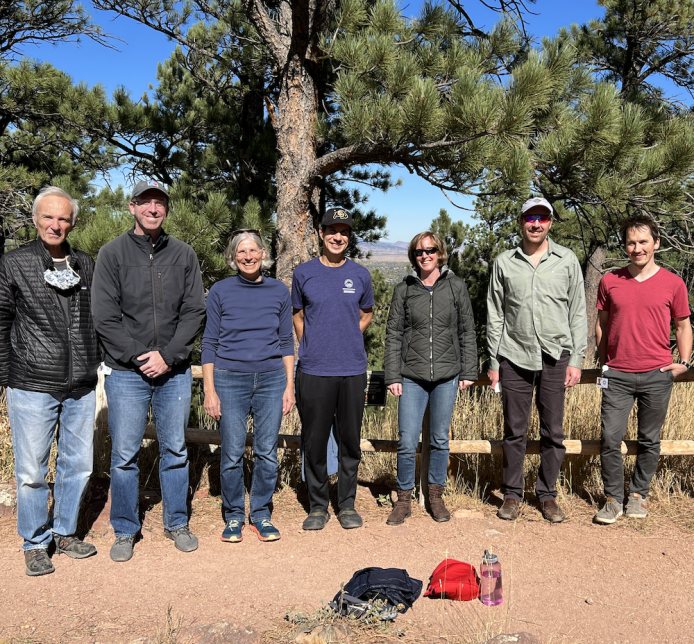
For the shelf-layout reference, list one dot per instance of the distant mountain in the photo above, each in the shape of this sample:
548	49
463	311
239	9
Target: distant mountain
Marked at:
386	251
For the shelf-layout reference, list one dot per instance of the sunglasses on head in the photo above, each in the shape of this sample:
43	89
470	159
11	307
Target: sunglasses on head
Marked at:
240	231
421	251
543	219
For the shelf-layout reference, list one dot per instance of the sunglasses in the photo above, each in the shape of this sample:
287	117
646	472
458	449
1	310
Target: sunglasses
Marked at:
429	251
240	231
543	219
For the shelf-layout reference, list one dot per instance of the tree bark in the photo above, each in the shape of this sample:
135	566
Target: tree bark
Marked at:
594	265
298	185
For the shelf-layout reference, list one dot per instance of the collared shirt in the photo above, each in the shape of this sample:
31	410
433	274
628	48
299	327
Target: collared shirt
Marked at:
531	310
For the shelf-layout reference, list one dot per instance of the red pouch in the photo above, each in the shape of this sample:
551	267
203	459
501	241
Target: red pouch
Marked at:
454	580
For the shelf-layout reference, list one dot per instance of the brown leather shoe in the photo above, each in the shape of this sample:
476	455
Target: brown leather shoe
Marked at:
402	509
551	511
438	509
509	510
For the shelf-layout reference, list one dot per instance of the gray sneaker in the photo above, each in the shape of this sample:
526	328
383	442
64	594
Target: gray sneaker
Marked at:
122	549
183	539
636	507
610	512
37	562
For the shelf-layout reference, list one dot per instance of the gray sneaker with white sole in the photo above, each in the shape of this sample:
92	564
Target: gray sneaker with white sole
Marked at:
609	512
636	507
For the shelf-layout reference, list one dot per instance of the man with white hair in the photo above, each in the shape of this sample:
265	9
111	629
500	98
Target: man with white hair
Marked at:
49	354
536	333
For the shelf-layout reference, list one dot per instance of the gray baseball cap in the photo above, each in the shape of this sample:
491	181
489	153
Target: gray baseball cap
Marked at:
536	201
150	184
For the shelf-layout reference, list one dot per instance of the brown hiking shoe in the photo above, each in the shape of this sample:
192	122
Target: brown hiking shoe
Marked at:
509	510
438	509
402	509
551	511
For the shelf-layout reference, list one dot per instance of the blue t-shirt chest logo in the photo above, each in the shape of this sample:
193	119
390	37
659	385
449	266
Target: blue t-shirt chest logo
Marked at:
349	287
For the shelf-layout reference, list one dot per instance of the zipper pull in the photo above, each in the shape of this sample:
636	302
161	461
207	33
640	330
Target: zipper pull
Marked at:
151	257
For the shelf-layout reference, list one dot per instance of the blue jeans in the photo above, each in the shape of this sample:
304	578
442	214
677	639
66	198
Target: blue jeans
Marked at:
129	395
33	419
416	394
241	394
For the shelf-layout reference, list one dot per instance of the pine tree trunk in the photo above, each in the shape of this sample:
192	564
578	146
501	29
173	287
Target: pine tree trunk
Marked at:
298	194
596	260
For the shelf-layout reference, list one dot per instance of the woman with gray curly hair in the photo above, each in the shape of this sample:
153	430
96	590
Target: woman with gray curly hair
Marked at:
248	368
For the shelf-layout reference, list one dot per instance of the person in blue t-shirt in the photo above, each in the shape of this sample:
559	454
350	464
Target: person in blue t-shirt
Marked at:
248	369
332	302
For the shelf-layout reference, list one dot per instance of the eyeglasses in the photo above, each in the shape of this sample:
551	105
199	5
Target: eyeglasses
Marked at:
543	219
157	203
429	251
251	252
240	231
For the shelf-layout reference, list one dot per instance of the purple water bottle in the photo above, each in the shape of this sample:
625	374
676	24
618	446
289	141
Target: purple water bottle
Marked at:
490	580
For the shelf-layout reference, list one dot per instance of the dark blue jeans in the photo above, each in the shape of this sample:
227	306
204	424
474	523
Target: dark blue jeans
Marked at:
240	395
416	394
129	395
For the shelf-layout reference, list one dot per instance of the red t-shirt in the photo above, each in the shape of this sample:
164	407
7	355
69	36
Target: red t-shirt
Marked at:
638	331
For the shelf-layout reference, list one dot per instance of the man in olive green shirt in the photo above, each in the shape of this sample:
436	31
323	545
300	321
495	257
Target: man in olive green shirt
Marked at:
536	333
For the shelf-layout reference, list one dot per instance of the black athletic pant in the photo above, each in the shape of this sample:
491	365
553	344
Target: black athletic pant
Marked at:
517	386
322	401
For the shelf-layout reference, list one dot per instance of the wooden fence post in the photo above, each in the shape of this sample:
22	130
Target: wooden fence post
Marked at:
424	458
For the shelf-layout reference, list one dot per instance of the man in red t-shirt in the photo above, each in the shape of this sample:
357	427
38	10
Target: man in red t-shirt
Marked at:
636	305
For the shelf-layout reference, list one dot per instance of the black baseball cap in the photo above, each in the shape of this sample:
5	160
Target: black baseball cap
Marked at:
150	184
337	216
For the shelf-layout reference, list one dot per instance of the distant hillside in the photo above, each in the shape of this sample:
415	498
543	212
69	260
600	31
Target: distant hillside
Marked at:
386	251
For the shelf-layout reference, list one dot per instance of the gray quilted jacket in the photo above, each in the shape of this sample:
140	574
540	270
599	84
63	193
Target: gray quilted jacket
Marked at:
430	334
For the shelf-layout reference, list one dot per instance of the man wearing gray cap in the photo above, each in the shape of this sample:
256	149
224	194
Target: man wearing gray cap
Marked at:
148	304
536	334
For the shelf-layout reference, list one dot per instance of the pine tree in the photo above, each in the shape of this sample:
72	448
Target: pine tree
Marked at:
41	110
356	83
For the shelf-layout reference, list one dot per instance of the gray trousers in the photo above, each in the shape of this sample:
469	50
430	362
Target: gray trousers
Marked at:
652	389
517	386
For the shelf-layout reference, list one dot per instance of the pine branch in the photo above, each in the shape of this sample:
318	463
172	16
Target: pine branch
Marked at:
258	15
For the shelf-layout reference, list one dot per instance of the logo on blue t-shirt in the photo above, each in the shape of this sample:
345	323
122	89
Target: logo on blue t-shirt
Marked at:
349	287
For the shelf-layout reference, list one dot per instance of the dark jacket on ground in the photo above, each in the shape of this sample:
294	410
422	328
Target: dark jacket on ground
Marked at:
40	350
430	334
147	299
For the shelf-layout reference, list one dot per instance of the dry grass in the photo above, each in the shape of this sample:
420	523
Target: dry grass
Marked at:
475	477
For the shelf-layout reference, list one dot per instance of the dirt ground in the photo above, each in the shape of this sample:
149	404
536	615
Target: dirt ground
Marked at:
576	582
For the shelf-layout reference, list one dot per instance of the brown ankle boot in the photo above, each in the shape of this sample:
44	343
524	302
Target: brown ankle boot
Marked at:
402	509
438	509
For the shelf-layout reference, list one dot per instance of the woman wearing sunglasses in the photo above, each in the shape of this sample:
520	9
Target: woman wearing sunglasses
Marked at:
430	353
248	369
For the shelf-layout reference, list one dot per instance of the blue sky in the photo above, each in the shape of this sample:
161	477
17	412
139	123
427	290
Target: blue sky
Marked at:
410	208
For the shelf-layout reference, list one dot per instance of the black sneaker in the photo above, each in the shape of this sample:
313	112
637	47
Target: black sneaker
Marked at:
37	562
349	519
315	521
73	547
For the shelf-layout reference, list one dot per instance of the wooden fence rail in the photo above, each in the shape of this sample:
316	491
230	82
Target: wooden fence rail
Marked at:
588	448
286	441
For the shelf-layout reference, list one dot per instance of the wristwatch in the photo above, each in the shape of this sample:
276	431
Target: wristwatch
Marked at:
686	364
